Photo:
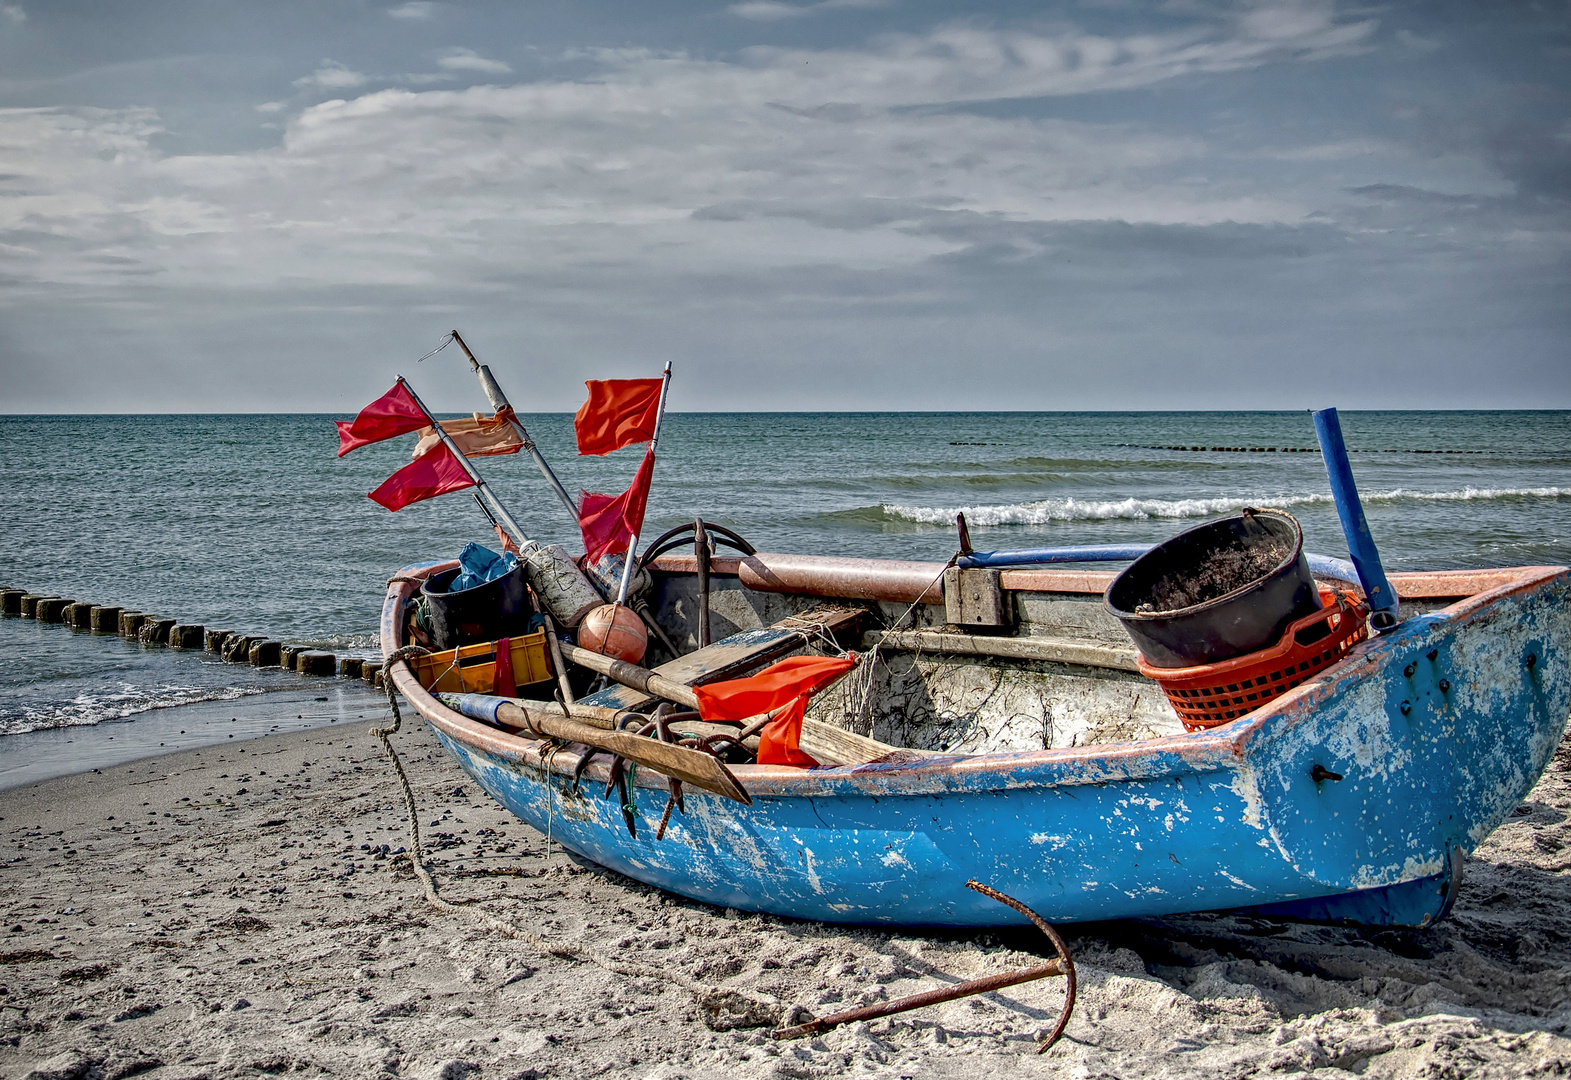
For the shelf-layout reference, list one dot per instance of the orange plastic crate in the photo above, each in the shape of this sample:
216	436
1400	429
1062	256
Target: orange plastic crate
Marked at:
471	669
1209	695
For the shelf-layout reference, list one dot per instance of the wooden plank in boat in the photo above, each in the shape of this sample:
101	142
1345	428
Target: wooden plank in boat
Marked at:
736	654
1015	648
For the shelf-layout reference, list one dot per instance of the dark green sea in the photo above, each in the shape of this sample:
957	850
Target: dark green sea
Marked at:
251	523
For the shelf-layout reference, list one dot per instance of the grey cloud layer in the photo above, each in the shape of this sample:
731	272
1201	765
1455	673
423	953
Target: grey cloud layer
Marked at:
785	184
647	144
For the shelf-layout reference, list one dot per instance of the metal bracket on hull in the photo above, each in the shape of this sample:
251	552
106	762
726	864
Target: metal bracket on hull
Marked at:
974	599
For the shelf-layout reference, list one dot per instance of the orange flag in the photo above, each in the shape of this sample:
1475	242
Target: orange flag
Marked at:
619	412
785	686
481	436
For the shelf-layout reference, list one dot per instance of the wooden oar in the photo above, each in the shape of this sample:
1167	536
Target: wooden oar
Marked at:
689	766
606	719
826	743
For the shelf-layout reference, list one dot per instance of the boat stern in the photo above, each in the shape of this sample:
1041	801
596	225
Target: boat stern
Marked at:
1413	751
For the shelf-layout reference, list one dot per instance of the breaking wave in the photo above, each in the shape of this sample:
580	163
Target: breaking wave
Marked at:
1470	493
1043	511
104	708
354	644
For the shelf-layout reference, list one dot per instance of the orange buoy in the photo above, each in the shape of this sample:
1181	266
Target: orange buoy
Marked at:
614	631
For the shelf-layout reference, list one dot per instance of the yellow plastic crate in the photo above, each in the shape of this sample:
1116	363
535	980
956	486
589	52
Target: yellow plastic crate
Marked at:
471	669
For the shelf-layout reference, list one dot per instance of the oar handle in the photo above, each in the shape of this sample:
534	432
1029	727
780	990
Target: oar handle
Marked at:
632	675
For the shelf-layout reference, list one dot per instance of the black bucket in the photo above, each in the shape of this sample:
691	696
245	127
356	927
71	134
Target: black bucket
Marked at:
496	609
1224	589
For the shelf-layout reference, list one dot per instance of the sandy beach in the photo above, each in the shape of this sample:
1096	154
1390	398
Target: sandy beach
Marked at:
244	909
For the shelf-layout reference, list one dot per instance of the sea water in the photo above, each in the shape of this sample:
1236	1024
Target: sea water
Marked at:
251	523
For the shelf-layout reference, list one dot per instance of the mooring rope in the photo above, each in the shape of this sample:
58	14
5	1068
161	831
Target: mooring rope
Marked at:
722	1008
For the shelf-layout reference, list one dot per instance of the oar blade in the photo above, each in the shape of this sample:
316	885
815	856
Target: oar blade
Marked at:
689	766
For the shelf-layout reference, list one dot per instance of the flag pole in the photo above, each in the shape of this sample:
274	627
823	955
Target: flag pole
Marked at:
654	441
498	400
519	535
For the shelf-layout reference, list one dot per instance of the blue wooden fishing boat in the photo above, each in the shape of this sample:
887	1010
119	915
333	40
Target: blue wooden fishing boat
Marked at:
1029	753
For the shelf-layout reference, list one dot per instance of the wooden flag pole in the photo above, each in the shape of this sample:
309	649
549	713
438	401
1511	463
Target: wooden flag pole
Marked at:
498	400
654	441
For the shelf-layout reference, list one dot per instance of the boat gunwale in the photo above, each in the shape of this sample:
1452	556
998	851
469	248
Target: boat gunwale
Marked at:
1409	584
1216	749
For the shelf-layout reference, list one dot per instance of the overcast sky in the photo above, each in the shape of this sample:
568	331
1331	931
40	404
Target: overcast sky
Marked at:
843	204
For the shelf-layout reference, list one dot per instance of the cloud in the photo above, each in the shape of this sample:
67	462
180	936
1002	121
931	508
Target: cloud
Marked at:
270	107
332	76
1522	132
779	195
1417	43
766	161
1336	151
964	62
457	59
767	10
1271	21
13	13
1404	193
775	11
414	9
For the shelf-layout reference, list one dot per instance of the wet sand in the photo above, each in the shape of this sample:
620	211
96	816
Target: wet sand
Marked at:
229	912
47	753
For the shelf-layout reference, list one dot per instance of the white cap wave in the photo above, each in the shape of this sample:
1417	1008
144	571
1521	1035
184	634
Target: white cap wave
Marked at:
1042	511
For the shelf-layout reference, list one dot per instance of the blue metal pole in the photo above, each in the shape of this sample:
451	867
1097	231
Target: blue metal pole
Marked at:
1048	556
1360	544
1322	566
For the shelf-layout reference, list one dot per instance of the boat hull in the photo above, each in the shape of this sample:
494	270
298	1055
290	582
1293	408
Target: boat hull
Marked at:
1236	817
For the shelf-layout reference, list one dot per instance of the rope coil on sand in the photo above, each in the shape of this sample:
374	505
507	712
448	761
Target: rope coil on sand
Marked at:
722	1009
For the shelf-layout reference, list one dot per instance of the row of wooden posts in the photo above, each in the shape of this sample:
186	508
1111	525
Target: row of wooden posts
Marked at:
258	650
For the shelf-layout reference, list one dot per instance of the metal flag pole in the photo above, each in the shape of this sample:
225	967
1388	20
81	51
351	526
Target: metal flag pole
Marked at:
654	441
519	536
498	400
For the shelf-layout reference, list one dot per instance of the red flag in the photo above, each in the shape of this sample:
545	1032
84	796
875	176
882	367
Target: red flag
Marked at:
610	522
391	415
785	686
503	684
619	412
434	473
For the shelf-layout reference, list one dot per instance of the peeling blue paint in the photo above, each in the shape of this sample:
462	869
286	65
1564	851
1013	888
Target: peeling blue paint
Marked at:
1208	821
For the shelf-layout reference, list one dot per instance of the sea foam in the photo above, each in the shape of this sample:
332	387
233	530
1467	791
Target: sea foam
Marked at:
111	706
1043	511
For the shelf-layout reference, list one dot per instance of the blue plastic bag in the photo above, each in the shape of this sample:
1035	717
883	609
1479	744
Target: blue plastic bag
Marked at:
479	565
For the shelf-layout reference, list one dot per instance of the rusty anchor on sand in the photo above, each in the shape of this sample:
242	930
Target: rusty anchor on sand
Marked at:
1063	965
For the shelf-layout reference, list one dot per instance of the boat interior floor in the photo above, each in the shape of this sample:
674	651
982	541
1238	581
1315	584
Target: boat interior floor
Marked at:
1065	677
